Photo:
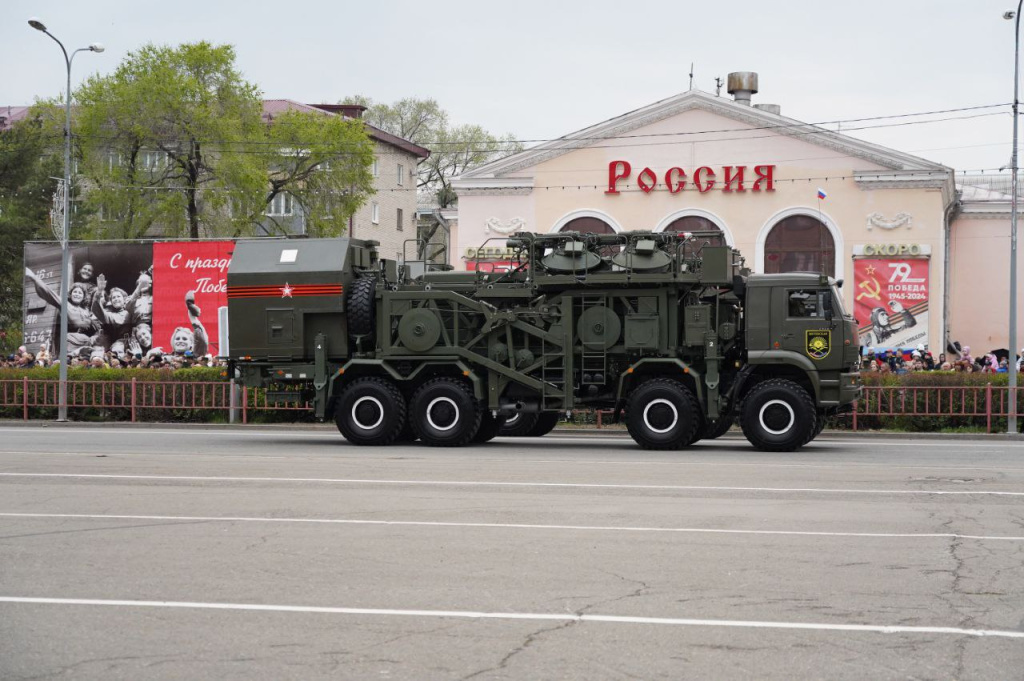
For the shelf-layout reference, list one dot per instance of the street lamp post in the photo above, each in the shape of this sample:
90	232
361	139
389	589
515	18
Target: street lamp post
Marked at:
1011	421
62	409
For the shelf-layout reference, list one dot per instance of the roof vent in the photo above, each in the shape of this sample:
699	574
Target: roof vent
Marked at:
770	108
742	84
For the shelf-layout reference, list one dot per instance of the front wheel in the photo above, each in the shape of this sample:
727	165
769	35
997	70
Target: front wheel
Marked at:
662	414
778	416
444	413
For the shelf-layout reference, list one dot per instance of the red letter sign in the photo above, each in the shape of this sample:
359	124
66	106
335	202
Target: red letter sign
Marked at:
731	177
614	174
647	180
675	187
698	179
764	174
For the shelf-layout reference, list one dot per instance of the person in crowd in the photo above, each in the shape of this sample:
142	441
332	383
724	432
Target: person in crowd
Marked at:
194	340
82	323
140	302
113	316
84	276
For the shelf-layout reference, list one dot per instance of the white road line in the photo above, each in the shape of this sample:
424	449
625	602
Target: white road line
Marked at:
487	483
514	526
433	458
558	617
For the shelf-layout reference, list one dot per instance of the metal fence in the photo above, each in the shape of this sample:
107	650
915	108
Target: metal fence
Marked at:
150	400
140	400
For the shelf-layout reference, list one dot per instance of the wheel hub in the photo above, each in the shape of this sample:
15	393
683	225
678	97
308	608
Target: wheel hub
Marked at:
661	416
442	413
367	413
777	417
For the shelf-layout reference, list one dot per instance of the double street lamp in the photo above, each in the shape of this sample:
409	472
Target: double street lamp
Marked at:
62	410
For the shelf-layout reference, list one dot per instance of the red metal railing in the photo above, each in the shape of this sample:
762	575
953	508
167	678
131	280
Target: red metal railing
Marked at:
135	396
975	403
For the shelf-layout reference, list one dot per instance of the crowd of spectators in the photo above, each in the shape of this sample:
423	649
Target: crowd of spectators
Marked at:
902	361
93	359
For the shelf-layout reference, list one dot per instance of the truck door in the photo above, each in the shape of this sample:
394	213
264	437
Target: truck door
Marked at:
800	324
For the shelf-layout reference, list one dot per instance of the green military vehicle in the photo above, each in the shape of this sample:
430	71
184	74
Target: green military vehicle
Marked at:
669	331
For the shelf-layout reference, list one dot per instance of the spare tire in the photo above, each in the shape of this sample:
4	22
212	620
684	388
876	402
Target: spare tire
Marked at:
362	307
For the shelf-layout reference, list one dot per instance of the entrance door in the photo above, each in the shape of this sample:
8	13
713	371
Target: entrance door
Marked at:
800	324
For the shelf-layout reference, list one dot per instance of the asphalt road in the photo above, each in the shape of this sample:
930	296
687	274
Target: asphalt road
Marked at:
152	553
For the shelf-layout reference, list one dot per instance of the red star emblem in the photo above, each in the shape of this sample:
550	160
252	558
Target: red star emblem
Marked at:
286	292
870	270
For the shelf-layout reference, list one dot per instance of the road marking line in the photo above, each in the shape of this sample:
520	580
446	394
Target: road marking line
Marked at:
514	526
559	617
487	483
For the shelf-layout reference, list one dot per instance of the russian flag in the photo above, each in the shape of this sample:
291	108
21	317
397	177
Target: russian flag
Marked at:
821	193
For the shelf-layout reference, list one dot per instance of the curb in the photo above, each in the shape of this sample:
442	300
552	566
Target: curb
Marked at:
563	432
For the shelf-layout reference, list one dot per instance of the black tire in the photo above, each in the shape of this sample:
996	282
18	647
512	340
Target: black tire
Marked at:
716	428
662	414
546	422
362	308
818	427
444	413
518	425
489	427
370	411
778	416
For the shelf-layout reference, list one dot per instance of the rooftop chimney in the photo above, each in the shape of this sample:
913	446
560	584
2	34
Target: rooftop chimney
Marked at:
742	84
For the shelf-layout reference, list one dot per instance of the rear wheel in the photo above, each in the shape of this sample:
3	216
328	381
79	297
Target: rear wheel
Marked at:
444	413
370	411
518	425
546	422
489	427
662	414
716	428
778	416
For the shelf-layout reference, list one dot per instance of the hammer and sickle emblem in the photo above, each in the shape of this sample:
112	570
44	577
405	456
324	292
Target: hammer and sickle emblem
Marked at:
869	290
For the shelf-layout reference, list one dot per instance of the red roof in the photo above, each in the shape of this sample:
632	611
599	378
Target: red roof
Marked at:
9	115
272	107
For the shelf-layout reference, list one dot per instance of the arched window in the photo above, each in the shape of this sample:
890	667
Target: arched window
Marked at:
696	223
800	243
587	225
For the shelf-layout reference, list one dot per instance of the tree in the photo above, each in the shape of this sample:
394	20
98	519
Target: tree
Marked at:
454	149
163	141
26	196
323	161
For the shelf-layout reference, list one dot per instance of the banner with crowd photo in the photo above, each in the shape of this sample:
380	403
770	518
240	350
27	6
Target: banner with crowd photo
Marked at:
128	298
891	301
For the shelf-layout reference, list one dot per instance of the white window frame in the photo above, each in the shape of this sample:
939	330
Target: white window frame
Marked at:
399	217
281	205
401	175
375	213
376	168
152	160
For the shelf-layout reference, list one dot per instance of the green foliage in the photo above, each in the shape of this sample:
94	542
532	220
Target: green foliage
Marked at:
454	149
163	143
324	162
27	163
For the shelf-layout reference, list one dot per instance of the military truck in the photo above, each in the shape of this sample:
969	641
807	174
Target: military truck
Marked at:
670	332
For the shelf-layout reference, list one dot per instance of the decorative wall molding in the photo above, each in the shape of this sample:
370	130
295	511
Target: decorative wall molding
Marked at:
494	191
901	220
497	226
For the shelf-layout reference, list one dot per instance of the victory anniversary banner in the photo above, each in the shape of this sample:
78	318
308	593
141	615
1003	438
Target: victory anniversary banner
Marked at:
127	298
891	301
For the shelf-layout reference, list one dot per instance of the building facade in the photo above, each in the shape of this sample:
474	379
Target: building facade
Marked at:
916	252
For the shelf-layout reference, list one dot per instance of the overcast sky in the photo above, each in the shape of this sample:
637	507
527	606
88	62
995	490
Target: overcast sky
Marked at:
542	69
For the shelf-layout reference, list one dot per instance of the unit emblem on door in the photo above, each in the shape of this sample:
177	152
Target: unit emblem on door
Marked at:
819	343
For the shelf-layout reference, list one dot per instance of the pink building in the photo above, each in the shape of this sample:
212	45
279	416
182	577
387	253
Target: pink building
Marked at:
924	261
